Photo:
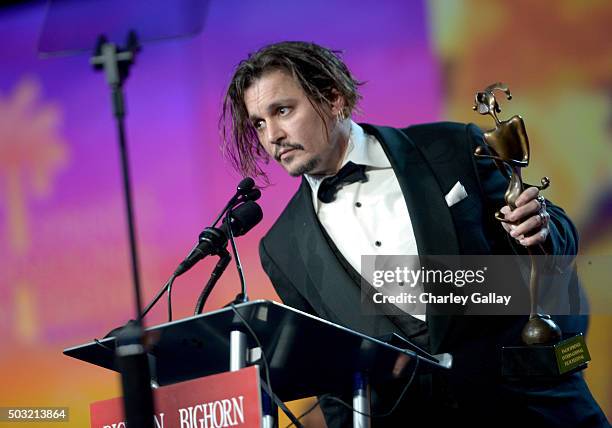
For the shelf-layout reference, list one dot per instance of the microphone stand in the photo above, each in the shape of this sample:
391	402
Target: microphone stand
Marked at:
130	350
238	338
239	345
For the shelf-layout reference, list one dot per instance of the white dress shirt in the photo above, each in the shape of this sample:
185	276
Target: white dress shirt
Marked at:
369	218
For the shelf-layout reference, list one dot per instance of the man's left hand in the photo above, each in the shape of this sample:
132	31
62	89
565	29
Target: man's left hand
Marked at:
528	222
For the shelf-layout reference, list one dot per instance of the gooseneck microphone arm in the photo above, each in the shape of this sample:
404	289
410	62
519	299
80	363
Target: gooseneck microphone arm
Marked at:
167	285
224	259
242	297
195	255
212	241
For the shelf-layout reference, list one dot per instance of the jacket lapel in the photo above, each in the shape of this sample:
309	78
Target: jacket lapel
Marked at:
336	296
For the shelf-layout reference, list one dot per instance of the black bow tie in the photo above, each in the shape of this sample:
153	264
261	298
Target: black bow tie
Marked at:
349	173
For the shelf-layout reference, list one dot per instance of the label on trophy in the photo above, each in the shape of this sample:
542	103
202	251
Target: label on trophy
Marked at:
571	354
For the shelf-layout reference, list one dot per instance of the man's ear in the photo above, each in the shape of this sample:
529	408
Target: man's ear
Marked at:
338	103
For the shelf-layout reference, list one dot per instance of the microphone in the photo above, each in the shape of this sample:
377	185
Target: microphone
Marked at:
245	185
244	192
252	195
243	219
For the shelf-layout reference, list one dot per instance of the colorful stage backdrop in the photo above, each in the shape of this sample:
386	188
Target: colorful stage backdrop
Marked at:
64	265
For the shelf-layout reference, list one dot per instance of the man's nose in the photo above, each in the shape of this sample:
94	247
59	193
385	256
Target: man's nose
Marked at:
275	133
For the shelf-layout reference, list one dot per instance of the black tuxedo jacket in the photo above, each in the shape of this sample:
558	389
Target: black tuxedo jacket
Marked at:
428	160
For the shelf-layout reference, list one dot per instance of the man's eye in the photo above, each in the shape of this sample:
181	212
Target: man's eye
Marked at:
283	111
259	125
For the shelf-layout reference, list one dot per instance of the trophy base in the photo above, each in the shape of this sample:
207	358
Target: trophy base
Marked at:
545	361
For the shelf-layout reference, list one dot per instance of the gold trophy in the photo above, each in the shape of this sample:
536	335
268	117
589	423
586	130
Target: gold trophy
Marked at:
544	353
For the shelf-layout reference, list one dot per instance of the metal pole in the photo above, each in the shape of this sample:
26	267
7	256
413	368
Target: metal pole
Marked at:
238	350
361	401
269	411
132	358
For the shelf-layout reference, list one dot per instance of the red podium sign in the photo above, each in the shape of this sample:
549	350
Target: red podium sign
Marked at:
229	399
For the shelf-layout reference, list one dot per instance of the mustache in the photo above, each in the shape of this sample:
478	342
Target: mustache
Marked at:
281	146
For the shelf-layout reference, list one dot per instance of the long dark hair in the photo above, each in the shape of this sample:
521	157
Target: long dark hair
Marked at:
319	71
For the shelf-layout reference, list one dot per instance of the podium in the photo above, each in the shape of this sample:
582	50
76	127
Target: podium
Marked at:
306	355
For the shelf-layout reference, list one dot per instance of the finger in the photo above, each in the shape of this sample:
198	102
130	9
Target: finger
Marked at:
522	213
526	196
528	227
538	238
505	211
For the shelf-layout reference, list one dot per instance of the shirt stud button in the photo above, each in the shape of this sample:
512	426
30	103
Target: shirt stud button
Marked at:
378	243
358	204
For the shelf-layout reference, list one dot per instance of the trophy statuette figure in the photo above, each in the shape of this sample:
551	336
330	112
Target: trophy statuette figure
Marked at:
508	147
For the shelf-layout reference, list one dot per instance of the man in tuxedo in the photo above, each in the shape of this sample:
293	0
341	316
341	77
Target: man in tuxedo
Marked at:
378	190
